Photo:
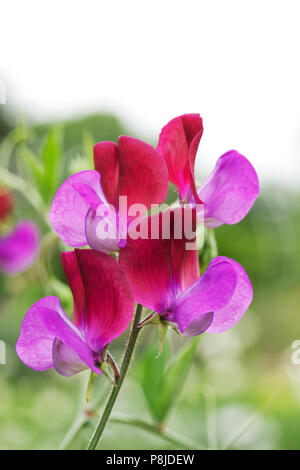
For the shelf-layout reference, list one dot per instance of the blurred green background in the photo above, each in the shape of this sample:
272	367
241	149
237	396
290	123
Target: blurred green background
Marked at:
240	388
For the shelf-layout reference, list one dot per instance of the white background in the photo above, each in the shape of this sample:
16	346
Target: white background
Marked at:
236	62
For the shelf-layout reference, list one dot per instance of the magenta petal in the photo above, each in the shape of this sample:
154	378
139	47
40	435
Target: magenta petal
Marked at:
178	144
107	307
159	269
194	309
71	205
19	249
230	190
231	313
44	322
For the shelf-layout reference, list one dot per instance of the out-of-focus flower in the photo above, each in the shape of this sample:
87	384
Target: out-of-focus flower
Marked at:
19	247
165	278
103	309
230	190
133	169
6	203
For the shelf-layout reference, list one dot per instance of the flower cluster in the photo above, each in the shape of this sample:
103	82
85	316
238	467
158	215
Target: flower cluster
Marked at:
159	271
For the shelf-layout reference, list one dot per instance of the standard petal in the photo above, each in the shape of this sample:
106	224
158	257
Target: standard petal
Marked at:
108	299
132	169
143	173
195	308
178	144
230	190
44	322
106	160
71	205
160	266
19	249
231	313
72	273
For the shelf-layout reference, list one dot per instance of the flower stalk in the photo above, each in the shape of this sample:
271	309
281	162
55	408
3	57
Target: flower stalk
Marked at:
116	389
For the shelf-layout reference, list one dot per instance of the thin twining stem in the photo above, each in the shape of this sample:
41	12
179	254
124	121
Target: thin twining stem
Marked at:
169	436
116	389
74	430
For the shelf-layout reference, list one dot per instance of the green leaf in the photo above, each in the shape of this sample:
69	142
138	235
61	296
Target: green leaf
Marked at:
176	376
51	157
35	168
162	383
45	169
151	376
88	145
209	249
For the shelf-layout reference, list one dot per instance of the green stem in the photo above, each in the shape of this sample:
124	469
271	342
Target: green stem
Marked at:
115	391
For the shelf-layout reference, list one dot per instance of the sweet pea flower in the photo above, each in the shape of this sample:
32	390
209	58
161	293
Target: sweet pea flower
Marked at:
230	190
131	169
165	278
20	246
103	309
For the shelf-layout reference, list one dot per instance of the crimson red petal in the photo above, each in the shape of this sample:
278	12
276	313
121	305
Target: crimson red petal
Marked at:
143	173
178	144
160	269
106	160
109	304
72	272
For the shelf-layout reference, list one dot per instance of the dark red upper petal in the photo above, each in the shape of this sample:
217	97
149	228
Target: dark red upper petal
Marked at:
72	272
143	173
106	160
178	144
103	293
133	169
159	269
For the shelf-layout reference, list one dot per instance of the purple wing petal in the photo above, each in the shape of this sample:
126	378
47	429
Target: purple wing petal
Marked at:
231	313
19	249
195	308
101	230
71	205
44	322
230	190
66	361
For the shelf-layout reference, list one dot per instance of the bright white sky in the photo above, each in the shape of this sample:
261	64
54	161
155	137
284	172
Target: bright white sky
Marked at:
236	62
